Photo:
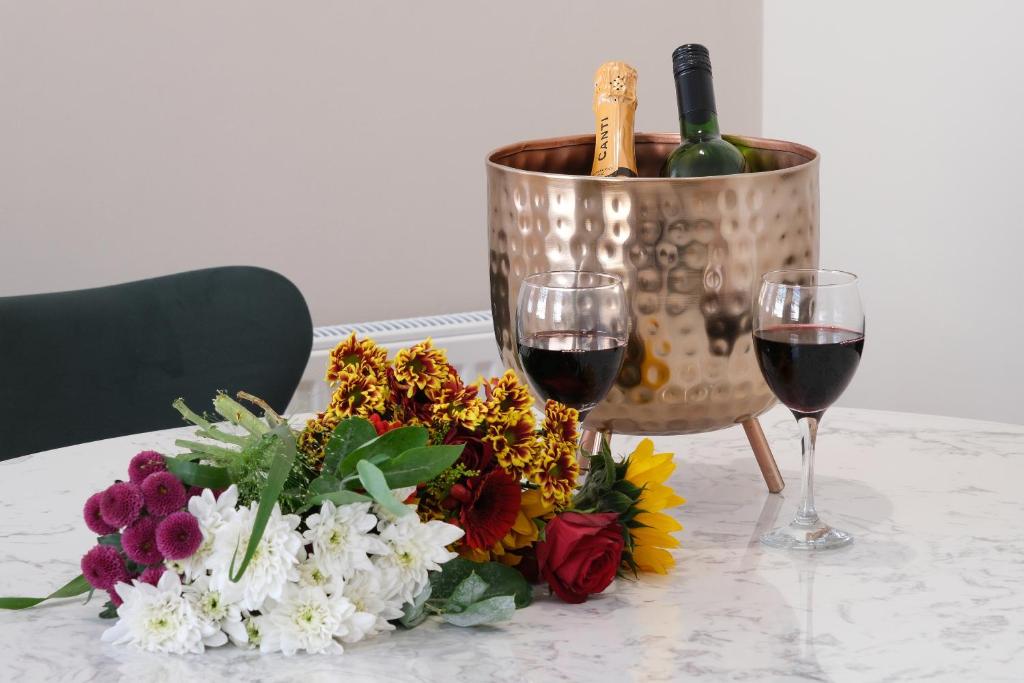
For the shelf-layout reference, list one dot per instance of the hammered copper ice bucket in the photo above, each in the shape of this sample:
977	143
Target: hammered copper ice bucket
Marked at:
690	251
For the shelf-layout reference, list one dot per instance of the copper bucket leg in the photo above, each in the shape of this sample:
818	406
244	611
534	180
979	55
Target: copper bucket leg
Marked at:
590	443
763	455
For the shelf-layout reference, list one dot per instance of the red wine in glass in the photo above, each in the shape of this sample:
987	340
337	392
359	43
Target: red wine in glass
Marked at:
808	366
575	368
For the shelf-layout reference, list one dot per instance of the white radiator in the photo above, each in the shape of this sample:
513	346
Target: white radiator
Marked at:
467	337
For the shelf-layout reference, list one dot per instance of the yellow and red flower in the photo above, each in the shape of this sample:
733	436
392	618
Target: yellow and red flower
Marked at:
507	397
356	393
561	421
364	356
513	442
555	471
420	368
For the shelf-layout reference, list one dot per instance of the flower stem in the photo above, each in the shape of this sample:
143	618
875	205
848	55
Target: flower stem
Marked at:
235	413
205	428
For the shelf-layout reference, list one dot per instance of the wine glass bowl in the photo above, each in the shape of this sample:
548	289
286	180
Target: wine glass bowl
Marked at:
808	328
571	332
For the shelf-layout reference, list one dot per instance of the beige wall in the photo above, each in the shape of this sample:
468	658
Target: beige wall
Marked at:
141	138
915	107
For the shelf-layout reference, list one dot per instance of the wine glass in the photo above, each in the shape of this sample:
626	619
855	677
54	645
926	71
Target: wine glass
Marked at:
571	330
808	337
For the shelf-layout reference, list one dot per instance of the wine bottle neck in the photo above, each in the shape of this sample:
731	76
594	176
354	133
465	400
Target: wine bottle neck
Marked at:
698	117
700	125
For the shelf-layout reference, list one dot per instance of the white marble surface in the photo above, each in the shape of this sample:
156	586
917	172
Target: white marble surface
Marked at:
933	587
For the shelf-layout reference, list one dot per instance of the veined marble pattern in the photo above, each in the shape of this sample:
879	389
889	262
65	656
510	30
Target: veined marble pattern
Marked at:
933	587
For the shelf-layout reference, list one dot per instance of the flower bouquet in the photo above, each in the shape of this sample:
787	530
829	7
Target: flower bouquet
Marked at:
412	495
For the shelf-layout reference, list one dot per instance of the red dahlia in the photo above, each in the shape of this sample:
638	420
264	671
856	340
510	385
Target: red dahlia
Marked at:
490	504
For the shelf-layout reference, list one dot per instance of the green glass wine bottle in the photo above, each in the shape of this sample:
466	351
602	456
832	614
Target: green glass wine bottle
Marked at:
703	152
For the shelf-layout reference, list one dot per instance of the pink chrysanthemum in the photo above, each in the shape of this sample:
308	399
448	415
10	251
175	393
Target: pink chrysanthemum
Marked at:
103	567
145	464
93	518
164	493
121	504
115	598
152	574
178	536
139	541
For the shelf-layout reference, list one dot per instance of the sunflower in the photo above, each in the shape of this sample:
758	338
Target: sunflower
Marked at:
421	367
513	442
650	528
555	471
507	397
560	421
363	355
356	394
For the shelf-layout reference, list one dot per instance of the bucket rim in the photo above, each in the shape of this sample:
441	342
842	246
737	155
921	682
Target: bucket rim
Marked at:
493	158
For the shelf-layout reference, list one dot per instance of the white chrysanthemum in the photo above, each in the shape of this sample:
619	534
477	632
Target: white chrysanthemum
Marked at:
221	619
274	563
378	593
213	514
305	619
312	573
253	635
386	516
156	618
341	539
416	548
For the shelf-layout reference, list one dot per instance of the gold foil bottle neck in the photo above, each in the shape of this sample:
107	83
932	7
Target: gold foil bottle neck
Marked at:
615	82
614	110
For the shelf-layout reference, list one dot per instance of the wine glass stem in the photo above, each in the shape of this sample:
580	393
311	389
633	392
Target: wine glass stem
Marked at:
805	512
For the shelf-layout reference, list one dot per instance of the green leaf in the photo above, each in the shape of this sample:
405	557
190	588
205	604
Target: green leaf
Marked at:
350	434
109	610
413	613
470	590
338	498
113	539
613	501
489	611
388	444
419	465
501	580
76	586
280	467
375	484
325	483
195	474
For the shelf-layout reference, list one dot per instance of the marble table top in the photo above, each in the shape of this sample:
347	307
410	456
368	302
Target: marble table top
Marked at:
933	587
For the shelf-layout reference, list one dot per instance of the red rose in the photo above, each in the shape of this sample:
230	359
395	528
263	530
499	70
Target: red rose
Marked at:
580	554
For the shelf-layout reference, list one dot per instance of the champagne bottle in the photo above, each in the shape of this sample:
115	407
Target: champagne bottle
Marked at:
614	111
703	152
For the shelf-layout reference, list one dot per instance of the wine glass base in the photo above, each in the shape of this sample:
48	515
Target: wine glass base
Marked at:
814	536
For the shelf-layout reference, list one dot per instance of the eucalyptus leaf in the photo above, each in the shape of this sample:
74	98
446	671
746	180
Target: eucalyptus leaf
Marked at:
489	611
470	590
196	474
413	613
325	483
388	444
336	497
280	467
374	483
501	580
350	434
419	465
76	586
